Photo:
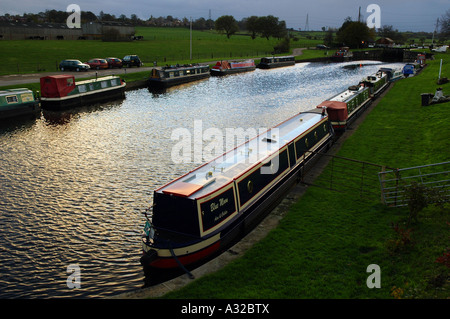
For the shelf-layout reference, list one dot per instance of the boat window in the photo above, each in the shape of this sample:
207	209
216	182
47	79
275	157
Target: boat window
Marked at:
69	82
82	88
11	99
91	87
48	80
104	84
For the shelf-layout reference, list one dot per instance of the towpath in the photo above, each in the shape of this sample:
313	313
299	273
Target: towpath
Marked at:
15	79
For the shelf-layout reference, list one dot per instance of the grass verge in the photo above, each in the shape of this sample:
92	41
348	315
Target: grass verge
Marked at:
326	241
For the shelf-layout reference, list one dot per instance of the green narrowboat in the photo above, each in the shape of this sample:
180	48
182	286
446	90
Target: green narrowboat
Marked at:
18	103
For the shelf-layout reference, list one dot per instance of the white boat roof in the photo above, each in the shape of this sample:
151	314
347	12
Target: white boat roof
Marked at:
14	91
103	78
229	166
347	94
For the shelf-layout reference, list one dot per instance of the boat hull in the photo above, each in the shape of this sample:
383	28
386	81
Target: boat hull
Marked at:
166	83
275	65
67	102
24	110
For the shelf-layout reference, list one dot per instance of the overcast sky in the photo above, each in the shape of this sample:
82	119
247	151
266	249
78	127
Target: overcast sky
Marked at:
404	15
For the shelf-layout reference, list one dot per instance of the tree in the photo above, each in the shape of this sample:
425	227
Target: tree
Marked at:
353	33
328	39
270	26
445	24
227	24
252	26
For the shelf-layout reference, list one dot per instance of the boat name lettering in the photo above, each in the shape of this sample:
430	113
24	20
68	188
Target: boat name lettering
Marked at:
222	201
222	214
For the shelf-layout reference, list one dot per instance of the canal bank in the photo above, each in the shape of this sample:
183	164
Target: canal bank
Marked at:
323	245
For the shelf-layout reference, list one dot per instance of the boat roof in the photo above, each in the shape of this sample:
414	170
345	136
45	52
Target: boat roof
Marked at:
347	94
185	66
104	78
14	91
224	169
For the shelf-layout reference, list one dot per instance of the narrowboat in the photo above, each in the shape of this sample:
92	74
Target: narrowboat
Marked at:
346	106
376	83
18	103
343	54
231	67
276	62
206	210
60	92
393	74
174	75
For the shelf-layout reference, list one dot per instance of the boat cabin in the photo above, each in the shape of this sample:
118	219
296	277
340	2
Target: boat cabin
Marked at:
57	85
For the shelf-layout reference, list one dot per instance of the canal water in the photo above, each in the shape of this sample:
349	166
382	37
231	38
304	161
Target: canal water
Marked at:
74	185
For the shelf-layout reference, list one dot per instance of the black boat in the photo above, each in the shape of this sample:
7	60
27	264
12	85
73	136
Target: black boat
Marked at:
276	62
174	75
206	210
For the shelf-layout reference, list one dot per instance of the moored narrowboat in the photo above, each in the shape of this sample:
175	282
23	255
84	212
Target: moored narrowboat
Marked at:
343	54
346	106
206	210
174	75
393	74
60	92
18	103
230	67
376	83
276	62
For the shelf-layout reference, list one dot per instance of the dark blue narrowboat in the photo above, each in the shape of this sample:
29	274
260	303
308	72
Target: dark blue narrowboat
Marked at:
276	62
206	210
165	77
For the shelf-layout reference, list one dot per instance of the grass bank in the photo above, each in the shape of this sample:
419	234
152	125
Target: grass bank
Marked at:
326	241
164	45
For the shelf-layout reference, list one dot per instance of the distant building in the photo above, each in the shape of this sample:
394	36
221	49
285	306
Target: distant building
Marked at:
385	43
107	31
12	30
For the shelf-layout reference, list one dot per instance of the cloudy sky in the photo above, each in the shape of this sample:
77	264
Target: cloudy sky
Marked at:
404	15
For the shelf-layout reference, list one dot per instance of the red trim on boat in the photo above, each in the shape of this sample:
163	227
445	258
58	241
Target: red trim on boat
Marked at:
170	262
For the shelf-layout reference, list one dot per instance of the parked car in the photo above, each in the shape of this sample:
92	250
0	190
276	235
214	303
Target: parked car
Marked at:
131	60
74	65
114	63
322	47
97	64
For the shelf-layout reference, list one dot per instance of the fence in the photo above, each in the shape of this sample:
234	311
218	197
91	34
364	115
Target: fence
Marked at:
394	183
348	176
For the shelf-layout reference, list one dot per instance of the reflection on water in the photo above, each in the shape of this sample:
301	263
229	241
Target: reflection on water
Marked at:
73	185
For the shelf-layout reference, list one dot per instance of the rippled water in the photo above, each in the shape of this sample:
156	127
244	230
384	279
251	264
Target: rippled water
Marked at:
73	185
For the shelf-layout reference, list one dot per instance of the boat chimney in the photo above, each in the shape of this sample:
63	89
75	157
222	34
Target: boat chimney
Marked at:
324	110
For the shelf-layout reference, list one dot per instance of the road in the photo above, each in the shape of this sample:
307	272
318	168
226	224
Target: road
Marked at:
15	79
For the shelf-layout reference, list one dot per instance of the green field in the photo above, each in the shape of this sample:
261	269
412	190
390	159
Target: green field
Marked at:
164	45
323	246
